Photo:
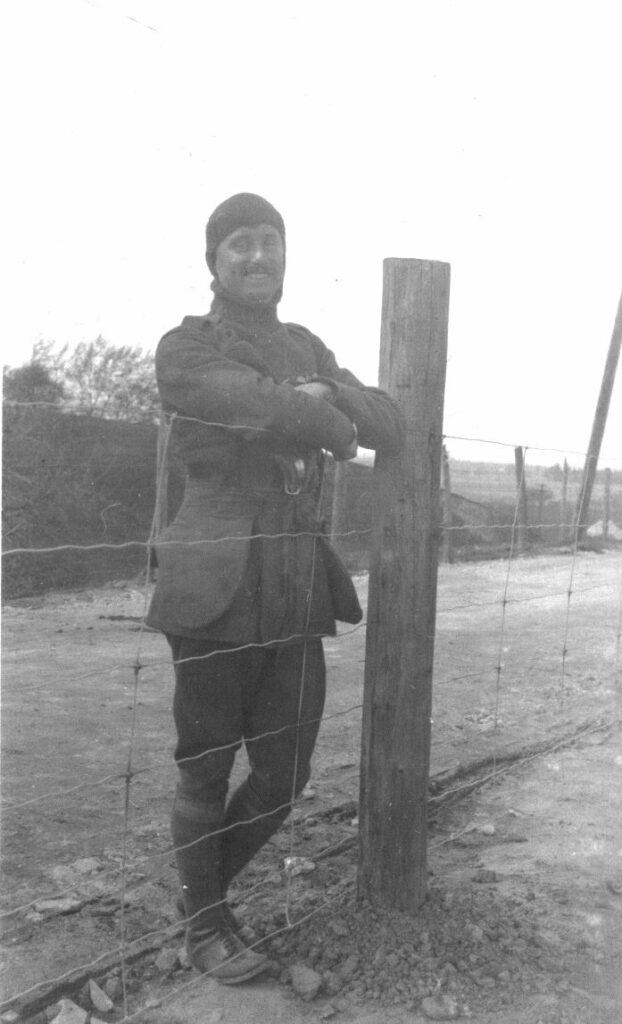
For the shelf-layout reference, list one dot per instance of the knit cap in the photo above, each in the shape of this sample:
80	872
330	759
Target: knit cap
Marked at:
242	210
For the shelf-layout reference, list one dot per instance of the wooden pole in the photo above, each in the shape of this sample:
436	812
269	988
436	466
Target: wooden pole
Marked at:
395	754
447	551
338	510
607	509
598	427
521	484
541	528
564	511
161	512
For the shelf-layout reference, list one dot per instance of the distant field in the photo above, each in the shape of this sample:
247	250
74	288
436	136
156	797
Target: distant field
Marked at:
495	484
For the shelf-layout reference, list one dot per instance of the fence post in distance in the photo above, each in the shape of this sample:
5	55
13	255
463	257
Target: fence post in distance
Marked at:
521	484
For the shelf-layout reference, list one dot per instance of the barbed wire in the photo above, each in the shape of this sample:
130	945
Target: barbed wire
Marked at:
493	776
532	447
140	666
56	894
159	662
554	450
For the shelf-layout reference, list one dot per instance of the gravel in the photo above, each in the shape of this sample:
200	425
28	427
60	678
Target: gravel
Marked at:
473	949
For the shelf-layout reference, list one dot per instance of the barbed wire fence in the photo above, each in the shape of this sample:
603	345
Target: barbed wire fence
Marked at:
488	601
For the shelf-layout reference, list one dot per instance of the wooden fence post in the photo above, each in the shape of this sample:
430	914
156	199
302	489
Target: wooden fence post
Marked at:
521	484
395	754
564	509
607	509
338	509
161	510
541	526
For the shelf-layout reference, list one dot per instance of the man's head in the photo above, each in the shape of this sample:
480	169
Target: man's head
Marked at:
245	248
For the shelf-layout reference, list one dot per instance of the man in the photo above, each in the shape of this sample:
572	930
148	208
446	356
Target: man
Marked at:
247	585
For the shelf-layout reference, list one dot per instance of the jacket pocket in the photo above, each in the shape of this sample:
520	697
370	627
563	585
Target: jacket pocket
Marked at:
200	567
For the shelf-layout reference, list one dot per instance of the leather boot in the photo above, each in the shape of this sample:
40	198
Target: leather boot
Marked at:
242	842
211	944
244	931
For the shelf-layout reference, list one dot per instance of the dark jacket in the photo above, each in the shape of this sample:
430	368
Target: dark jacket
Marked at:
245	560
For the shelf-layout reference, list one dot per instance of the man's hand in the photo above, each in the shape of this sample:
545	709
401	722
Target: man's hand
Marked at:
343	454
317	389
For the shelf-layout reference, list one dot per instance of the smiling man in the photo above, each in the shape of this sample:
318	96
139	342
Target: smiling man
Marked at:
247	583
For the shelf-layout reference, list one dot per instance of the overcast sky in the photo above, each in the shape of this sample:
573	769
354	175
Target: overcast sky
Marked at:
484	134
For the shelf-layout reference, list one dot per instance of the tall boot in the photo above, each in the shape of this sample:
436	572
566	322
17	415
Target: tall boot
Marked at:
211	944
241	842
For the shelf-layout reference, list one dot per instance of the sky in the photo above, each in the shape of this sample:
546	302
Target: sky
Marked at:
482	134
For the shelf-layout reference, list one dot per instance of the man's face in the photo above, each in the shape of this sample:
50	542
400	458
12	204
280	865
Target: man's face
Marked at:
250	263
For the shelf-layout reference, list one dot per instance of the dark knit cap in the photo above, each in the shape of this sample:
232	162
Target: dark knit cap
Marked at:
240	211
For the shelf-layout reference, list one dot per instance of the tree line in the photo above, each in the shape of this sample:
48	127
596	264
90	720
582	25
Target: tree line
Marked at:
95	378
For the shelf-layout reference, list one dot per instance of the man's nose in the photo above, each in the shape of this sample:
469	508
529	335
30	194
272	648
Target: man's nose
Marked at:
257	253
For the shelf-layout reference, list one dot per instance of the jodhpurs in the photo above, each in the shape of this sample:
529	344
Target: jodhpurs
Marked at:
270	698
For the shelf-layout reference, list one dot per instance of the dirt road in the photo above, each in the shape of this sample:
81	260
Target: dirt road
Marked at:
75	702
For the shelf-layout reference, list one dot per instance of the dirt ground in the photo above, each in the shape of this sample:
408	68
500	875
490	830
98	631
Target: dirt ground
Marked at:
523	924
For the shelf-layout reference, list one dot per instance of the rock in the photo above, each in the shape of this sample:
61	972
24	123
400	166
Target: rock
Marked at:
441	1008
327	1012
62	905
298	866
474	932
487	830
33	917
113	988
305	982
69	1013
10	1017
86	865
166	961
99	999
349	966
63	876
332	983
484	875
182	957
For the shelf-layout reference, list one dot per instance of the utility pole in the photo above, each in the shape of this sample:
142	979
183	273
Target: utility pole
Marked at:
395	755
598	428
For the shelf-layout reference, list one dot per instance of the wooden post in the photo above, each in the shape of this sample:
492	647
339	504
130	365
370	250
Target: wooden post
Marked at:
447	550
395	754
541	528
338	510
607	503
161	510
521	484
598	428
564	511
